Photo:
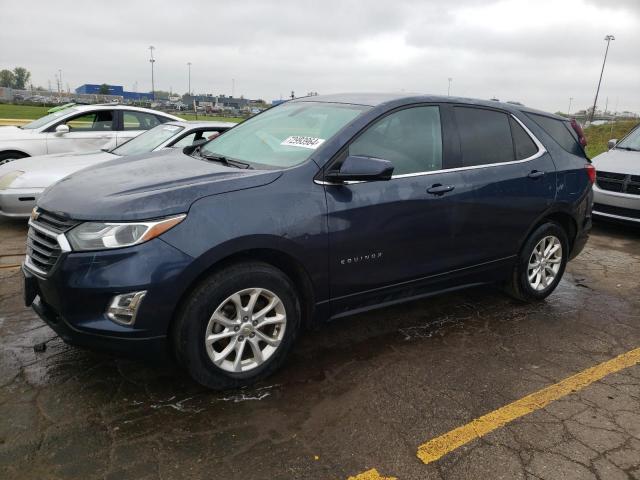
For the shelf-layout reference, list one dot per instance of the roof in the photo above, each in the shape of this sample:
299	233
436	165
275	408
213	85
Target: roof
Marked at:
369	99
376	99
199	124
118	106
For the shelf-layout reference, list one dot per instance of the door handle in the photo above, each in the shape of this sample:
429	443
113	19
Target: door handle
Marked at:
535	174
439	189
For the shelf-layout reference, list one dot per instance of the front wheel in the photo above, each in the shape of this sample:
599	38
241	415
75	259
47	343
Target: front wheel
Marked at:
540	264
237	326
6	157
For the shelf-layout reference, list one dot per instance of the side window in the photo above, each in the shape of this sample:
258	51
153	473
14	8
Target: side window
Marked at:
162	119
522	142
138	120
411	139
101	120
561	132
485	136
186	140
195	136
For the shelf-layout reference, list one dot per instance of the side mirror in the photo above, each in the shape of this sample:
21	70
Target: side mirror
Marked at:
62	129
361	169
612	143
189	149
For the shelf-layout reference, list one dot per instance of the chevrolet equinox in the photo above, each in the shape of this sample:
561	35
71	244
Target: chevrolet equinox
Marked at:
311	211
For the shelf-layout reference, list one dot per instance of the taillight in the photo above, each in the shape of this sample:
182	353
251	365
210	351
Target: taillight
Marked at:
578	129
591	172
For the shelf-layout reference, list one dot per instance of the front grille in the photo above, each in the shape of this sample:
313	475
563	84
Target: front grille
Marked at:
611	210
618	182
53	222
43	249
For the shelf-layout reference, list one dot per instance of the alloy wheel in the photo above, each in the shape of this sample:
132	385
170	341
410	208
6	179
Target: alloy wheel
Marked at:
544	263
245	330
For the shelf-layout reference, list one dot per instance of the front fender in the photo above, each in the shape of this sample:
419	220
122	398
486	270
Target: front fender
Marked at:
28	147
287	216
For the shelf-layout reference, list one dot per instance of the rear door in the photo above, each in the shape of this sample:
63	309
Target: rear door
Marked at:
511	176
133	123
90	130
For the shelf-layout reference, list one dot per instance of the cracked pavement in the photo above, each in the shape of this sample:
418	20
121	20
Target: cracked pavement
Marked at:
358	394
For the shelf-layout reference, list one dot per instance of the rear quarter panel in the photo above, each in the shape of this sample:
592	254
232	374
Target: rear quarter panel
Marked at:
574	193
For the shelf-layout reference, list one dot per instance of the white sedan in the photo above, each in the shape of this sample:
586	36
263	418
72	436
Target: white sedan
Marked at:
23	180
78	129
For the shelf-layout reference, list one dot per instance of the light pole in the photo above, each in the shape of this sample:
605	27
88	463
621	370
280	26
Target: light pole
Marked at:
569	109
608	39
449	87
152	61
189	65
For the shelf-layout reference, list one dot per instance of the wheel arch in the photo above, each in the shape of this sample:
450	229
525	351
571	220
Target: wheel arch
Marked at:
567	222
562	218
15	150
285	262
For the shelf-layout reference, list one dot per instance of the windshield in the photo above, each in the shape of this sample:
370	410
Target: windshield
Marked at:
632	142
148	141
283	136
41	122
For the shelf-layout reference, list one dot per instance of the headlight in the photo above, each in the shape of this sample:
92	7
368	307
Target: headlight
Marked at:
8	178
104	235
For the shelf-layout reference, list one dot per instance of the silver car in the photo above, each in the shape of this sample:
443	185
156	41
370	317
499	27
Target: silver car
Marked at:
23	180
79	128
617	188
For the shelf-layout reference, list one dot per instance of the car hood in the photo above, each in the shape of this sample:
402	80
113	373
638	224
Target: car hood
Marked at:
146	186
618	161
43	170
9	133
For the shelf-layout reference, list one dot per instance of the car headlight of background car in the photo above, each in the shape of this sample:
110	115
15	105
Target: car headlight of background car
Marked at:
105	235
7	179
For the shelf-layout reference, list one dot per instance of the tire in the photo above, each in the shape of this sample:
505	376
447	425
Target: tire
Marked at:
217	308
541	286
6	157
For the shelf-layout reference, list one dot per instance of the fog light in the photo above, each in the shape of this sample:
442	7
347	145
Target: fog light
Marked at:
124	308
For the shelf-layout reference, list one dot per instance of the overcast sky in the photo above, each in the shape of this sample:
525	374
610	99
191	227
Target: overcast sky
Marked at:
538	52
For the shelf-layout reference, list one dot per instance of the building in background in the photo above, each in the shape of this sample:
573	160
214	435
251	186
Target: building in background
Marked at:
219	102
118	90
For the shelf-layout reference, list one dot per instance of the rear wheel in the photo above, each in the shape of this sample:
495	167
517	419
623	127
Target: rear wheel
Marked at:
6	157
237	326
540	264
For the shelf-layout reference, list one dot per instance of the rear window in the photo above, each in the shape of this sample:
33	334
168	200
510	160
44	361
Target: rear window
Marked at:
485	136
522	142
560	131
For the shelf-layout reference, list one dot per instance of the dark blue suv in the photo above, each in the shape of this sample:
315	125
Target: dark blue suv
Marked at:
311	211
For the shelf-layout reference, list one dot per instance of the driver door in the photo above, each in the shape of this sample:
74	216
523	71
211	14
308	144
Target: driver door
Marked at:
386	237
87	131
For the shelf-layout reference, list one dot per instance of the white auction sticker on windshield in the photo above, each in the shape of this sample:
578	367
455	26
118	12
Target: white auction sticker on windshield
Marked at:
304	142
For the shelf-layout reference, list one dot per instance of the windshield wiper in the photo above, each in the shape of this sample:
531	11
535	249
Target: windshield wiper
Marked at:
630	149
229	162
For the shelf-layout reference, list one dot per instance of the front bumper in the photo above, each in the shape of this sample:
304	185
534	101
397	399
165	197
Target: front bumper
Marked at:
616	206
73	298
18	202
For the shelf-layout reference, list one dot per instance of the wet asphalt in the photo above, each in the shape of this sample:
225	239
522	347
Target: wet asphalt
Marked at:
358	394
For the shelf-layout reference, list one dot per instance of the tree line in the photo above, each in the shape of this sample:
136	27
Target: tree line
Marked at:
17	78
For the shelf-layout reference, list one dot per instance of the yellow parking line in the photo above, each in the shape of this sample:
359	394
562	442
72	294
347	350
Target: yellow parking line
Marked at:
371	475
436	448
